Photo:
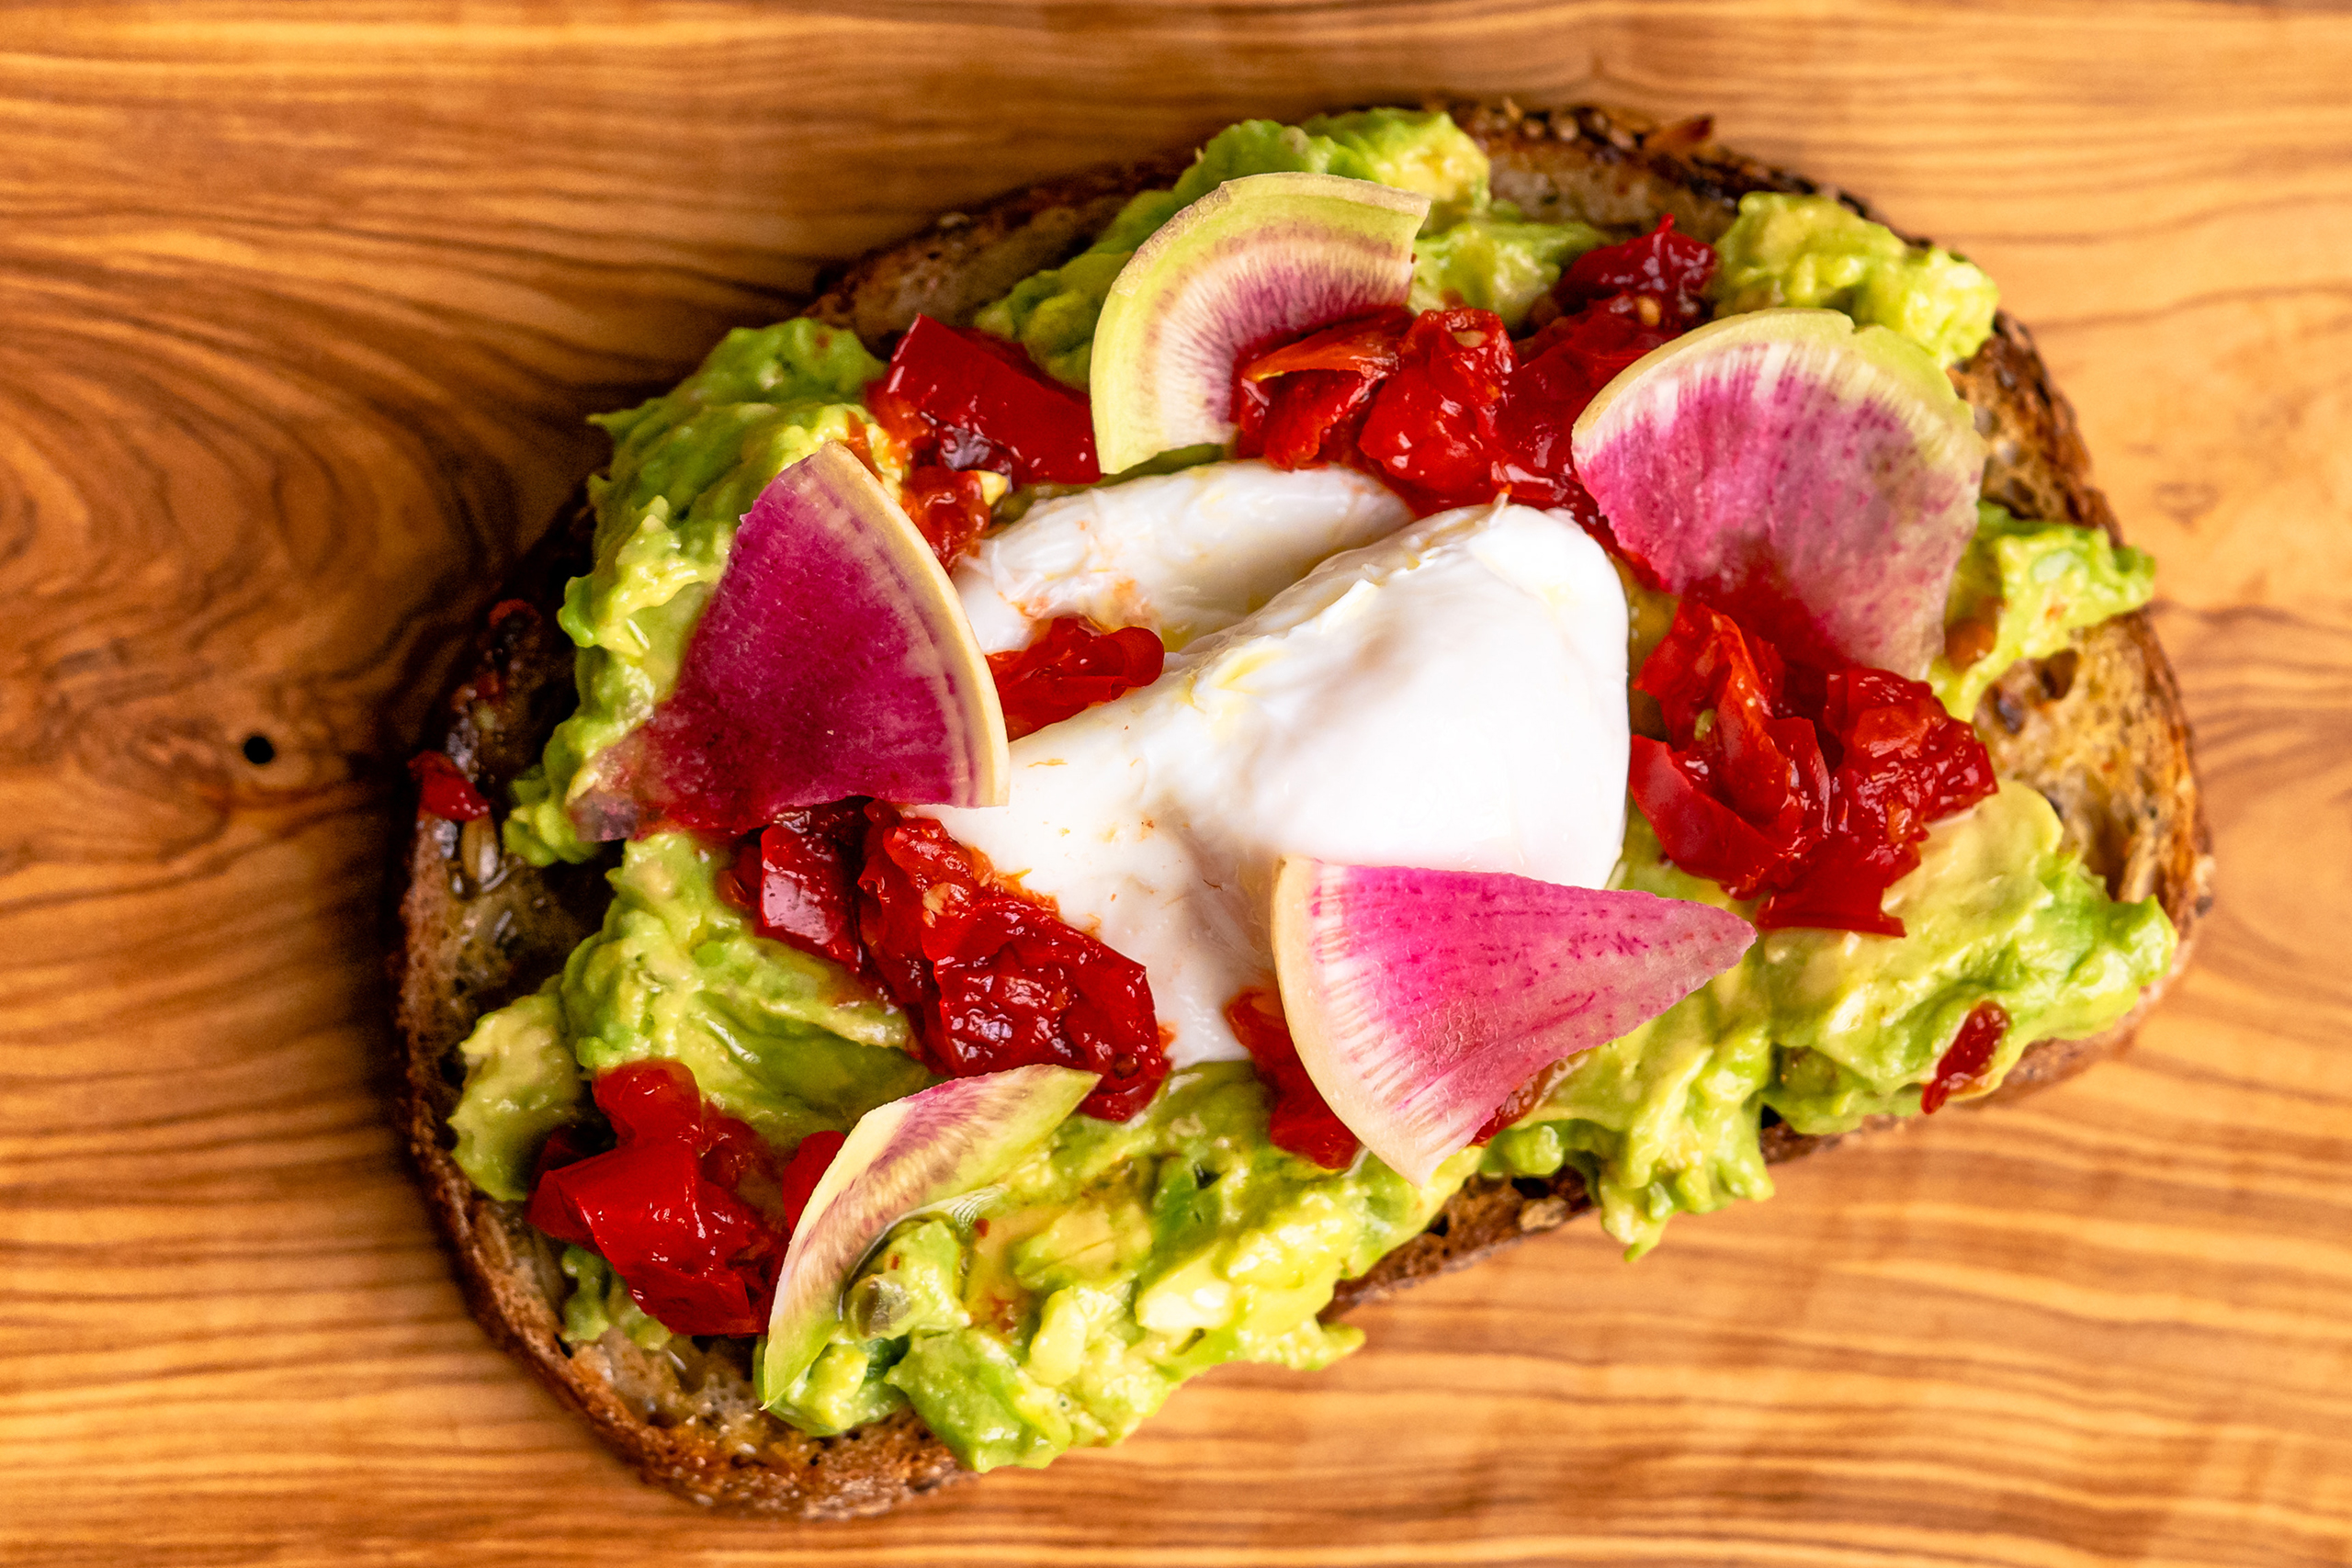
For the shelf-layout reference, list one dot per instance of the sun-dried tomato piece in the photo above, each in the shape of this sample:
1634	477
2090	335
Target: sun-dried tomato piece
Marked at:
1811	788
994	979
1070	666
797	879
1298	1119
1432	430
444	791
672	1207
1303	403
1667	269
1968	1060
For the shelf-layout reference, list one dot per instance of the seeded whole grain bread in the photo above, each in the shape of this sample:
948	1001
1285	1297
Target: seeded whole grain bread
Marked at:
2098	728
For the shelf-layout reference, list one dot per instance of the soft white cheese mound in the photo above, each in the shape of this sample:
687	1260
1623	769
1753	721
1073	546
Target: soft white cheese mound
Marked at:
1451	698
1183	554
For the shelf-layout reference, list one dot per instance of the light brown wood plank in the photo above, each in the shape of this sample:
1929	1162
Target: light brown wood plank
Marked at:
300	316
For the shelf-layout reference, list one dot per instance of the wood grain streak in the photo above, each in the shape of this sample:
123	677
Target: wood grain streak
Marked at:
304	314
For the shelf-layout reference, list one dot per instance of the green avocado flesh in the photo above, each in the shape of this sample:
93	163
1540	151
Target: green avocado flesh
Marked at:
1810	251
2035	584
1061	1305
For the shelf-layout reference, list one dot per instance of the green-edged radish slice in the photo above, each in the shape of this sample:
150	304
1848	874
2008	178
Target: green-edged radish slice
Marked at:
950	1138
1257	260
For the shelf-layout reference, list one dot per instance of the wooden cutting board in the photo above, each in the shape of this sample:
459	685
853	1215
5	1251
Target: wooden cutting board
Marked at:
300	318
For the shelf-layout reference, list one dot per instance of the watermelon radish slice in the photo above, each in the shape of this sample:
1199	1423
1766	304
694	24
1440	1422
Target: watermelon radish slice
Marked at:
1257	260
1818	481
834	660
902	1157
1419	999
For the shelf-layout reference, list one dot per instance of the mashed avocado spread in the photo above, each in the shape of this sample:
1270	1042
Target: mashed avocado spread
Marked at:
1062	1305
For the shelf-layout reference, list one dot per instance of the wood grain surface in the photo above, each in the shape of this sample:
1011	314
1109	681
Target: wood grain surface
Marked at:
301	310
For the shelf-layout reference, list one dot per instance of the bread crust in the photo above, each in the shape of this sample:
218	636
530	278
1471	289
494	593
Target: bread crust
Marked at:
2098	728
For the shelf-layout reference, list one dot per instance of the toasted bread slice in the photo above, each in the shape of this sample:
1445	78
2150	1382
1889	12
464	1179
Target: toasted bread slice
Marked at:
2098	728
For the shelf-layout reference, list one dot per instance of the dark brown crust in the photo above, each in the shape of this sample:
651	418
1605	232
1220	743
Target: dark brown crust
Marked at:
2099	729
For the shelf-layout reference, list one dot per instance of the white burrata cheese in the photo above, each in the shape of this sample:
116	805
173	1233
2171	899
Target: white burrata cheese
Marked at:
1183	554
1451	698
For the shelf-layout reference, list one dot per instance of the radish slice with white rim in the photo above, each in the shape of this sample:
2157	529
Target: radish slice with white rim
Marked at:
900	1157
1419	999
834	659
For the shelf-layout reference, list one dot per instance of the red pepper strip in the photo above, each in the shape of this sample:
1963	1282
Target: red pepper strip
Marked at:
444	791
798	880
990	407
694	1255
805	1169
1968	1059
995	980
1298	1120
948	507
1072	667
1562	368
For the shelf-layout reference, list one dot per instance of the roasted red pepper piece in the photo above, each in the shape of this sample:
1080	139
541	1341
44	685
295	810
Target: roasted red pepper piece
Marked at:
798	880
444	791
1297	1119
995	980
1967	1061
1070	666
1811	788
987	405
672	1207
948	507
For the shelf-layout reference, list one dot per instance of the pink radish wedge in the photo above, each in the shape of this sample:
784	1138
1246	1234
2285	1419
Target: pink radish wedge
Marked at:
834	660
946	1141
1257	260
1419	999
1817	481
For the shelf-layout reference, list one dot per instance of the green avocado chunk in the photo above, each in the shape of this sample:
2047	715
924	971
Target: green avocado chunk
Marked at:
2035	584
1477	251
1827	1028
687	466
1810	251
521	1084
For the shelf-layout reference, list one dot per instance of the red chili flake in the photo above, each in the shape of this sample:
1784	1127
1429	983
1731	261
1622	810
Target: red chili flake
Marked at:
1070	666
798	880
675	1206
1811	787
978	402
1297	1119
442	790
995	980
805	1169
1967	1062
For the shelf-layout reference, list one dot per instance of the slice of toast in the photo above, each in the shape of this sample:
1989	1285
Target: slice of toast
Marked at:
2098	728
